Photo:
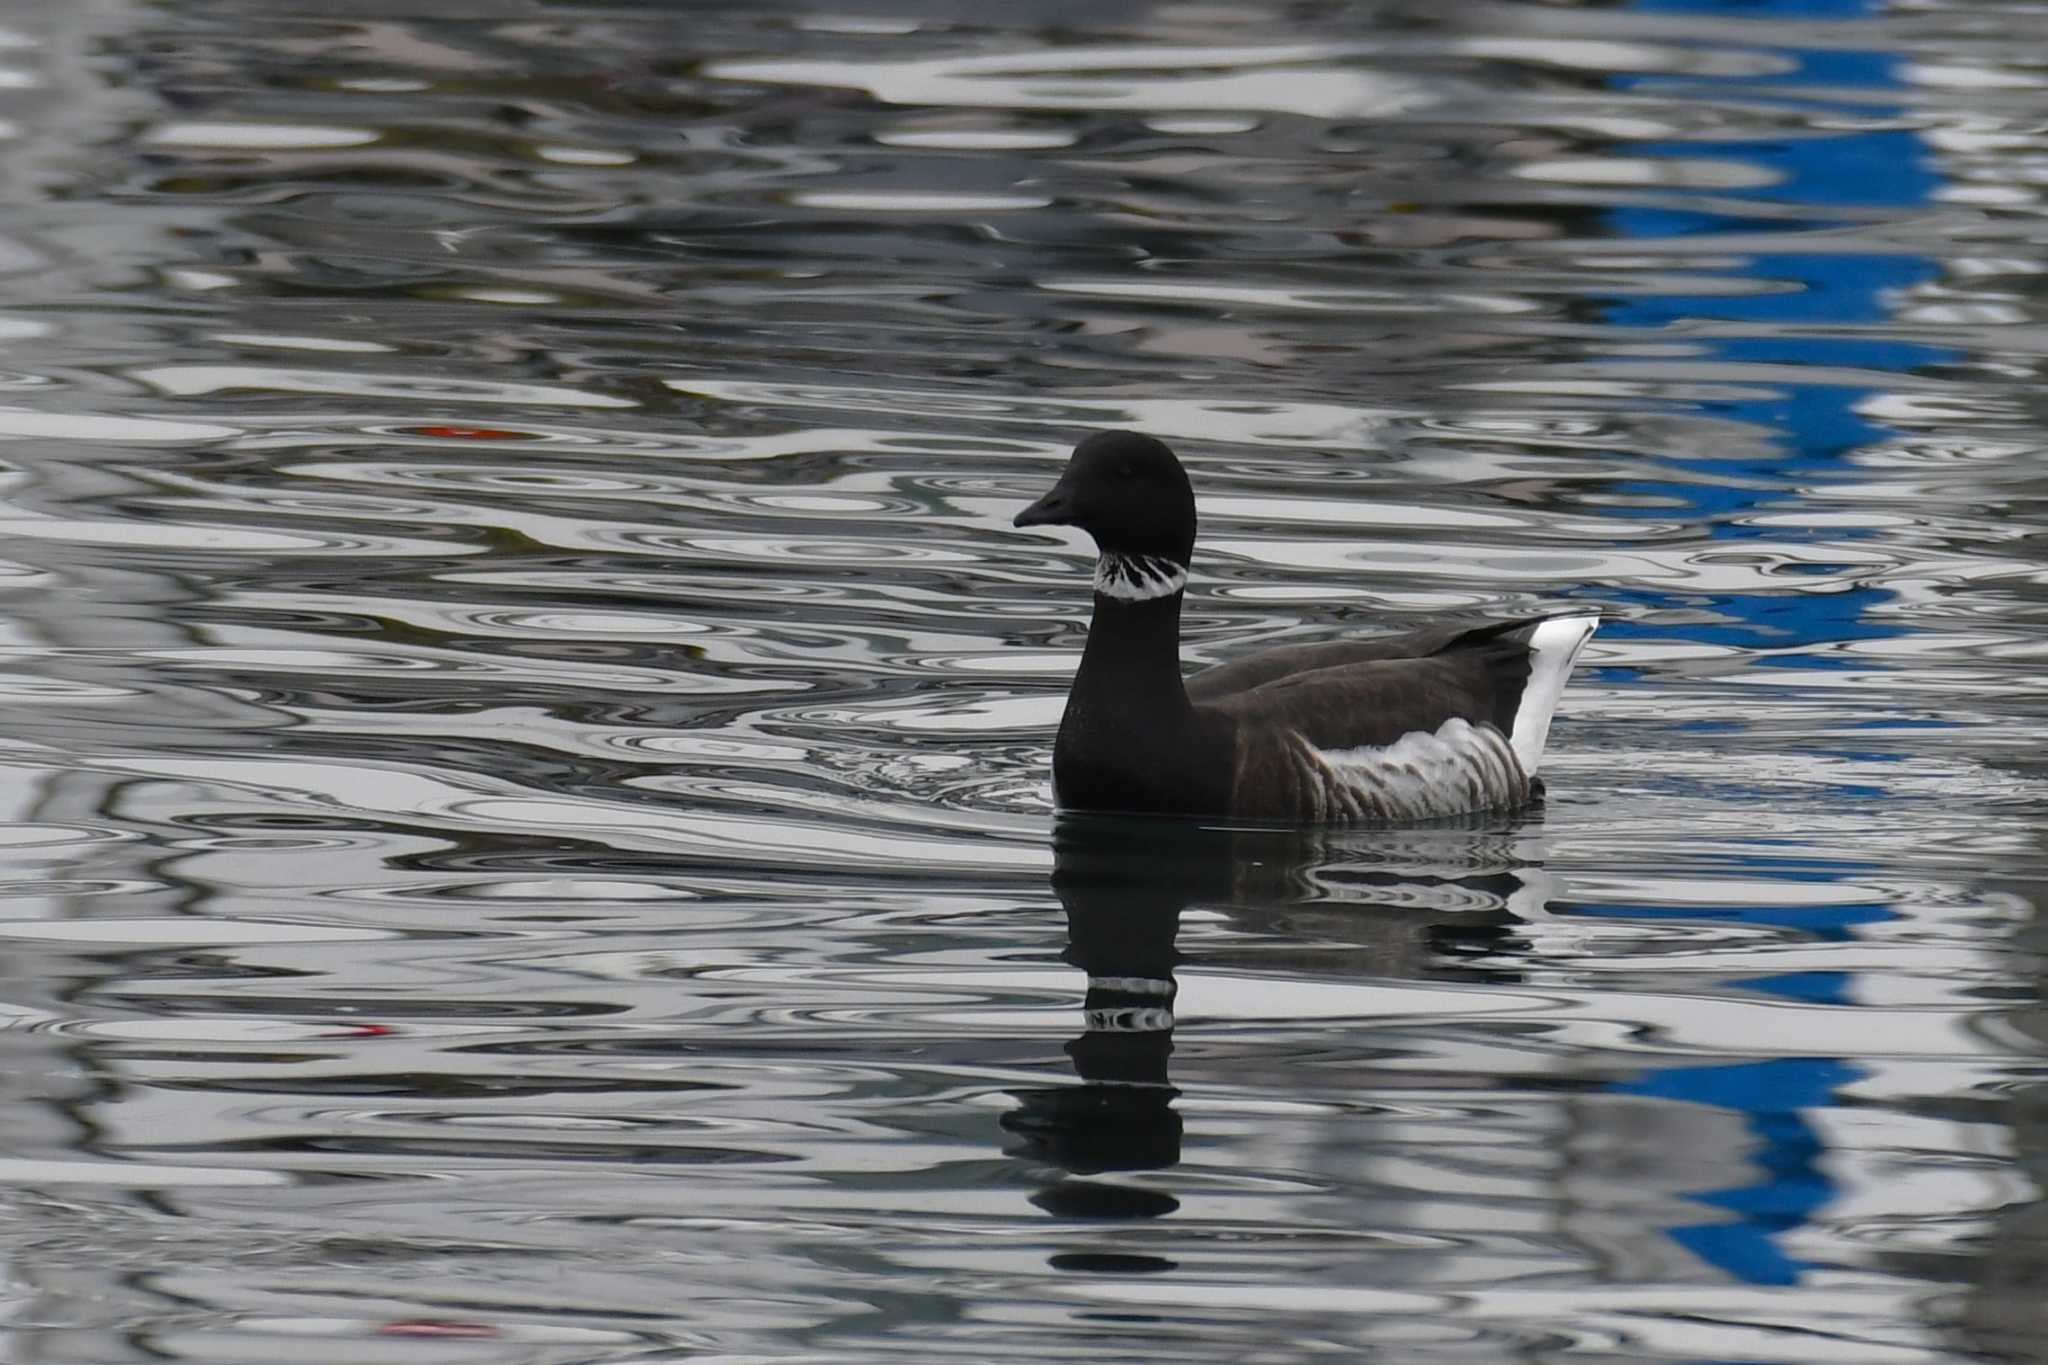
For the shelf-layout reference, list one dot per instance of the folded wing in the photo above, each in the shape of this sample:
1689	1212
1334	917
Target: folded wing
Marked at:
1399	727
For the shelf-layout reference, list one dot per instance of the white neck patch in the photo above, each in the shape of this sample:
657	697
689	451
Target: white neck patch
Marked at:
1139	578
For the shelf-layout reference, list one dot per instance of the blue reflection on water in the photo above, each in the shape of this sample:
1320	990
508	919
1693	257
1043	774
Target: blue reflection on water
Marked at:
1762	9
1765	622
1813	425
1790	1185
1826	922
1814	988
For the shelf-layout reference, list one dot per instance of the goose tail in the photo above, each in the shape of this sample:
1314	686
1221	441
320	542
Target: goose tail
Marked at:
1553	644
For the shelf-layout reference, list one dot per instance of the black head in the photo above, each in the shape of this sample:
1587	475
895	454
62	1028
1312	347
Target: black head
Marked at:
1128	492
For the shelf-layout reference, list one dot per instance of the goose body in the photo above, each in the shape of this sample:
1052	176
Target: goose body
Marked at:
1417	726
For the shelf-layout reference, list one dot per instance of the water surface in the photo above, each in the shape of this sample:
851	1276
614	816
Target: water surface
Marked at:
526	721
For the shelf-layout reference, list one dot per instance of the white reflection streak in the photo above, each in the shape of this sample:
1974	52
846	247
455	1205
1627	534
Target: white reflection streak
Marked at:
1284	79
800	838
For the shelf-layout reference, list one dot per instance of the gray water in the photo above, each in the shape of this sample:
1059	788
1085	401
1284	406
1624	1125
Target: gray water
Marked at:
526	723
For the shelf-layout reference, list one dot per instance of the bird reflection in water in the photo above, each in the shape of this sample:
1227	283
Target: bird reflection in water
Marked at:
1443	903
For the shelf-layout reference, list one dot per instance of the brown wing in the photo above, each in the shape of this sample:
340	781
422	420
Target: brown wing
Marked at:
1242	675
1376	701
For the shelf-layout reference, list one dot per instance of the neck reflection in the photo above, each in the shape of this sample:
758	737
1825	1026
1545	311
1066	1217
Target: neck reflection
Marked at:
1435	903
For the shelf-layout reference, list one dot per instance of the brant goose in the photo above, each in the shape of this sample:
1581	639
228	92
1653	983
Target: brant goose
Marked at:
1435	722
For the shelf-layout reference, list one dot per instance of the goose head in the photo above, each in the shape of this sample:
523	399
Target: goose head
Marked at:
1128	492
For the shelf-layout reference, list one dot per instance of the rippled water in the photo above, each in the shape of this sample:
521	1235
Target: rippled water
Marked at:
526	721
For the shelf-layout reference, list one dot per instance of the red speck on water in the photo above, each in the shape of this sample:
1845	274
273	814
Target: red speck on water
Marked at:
470	433
428	1327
